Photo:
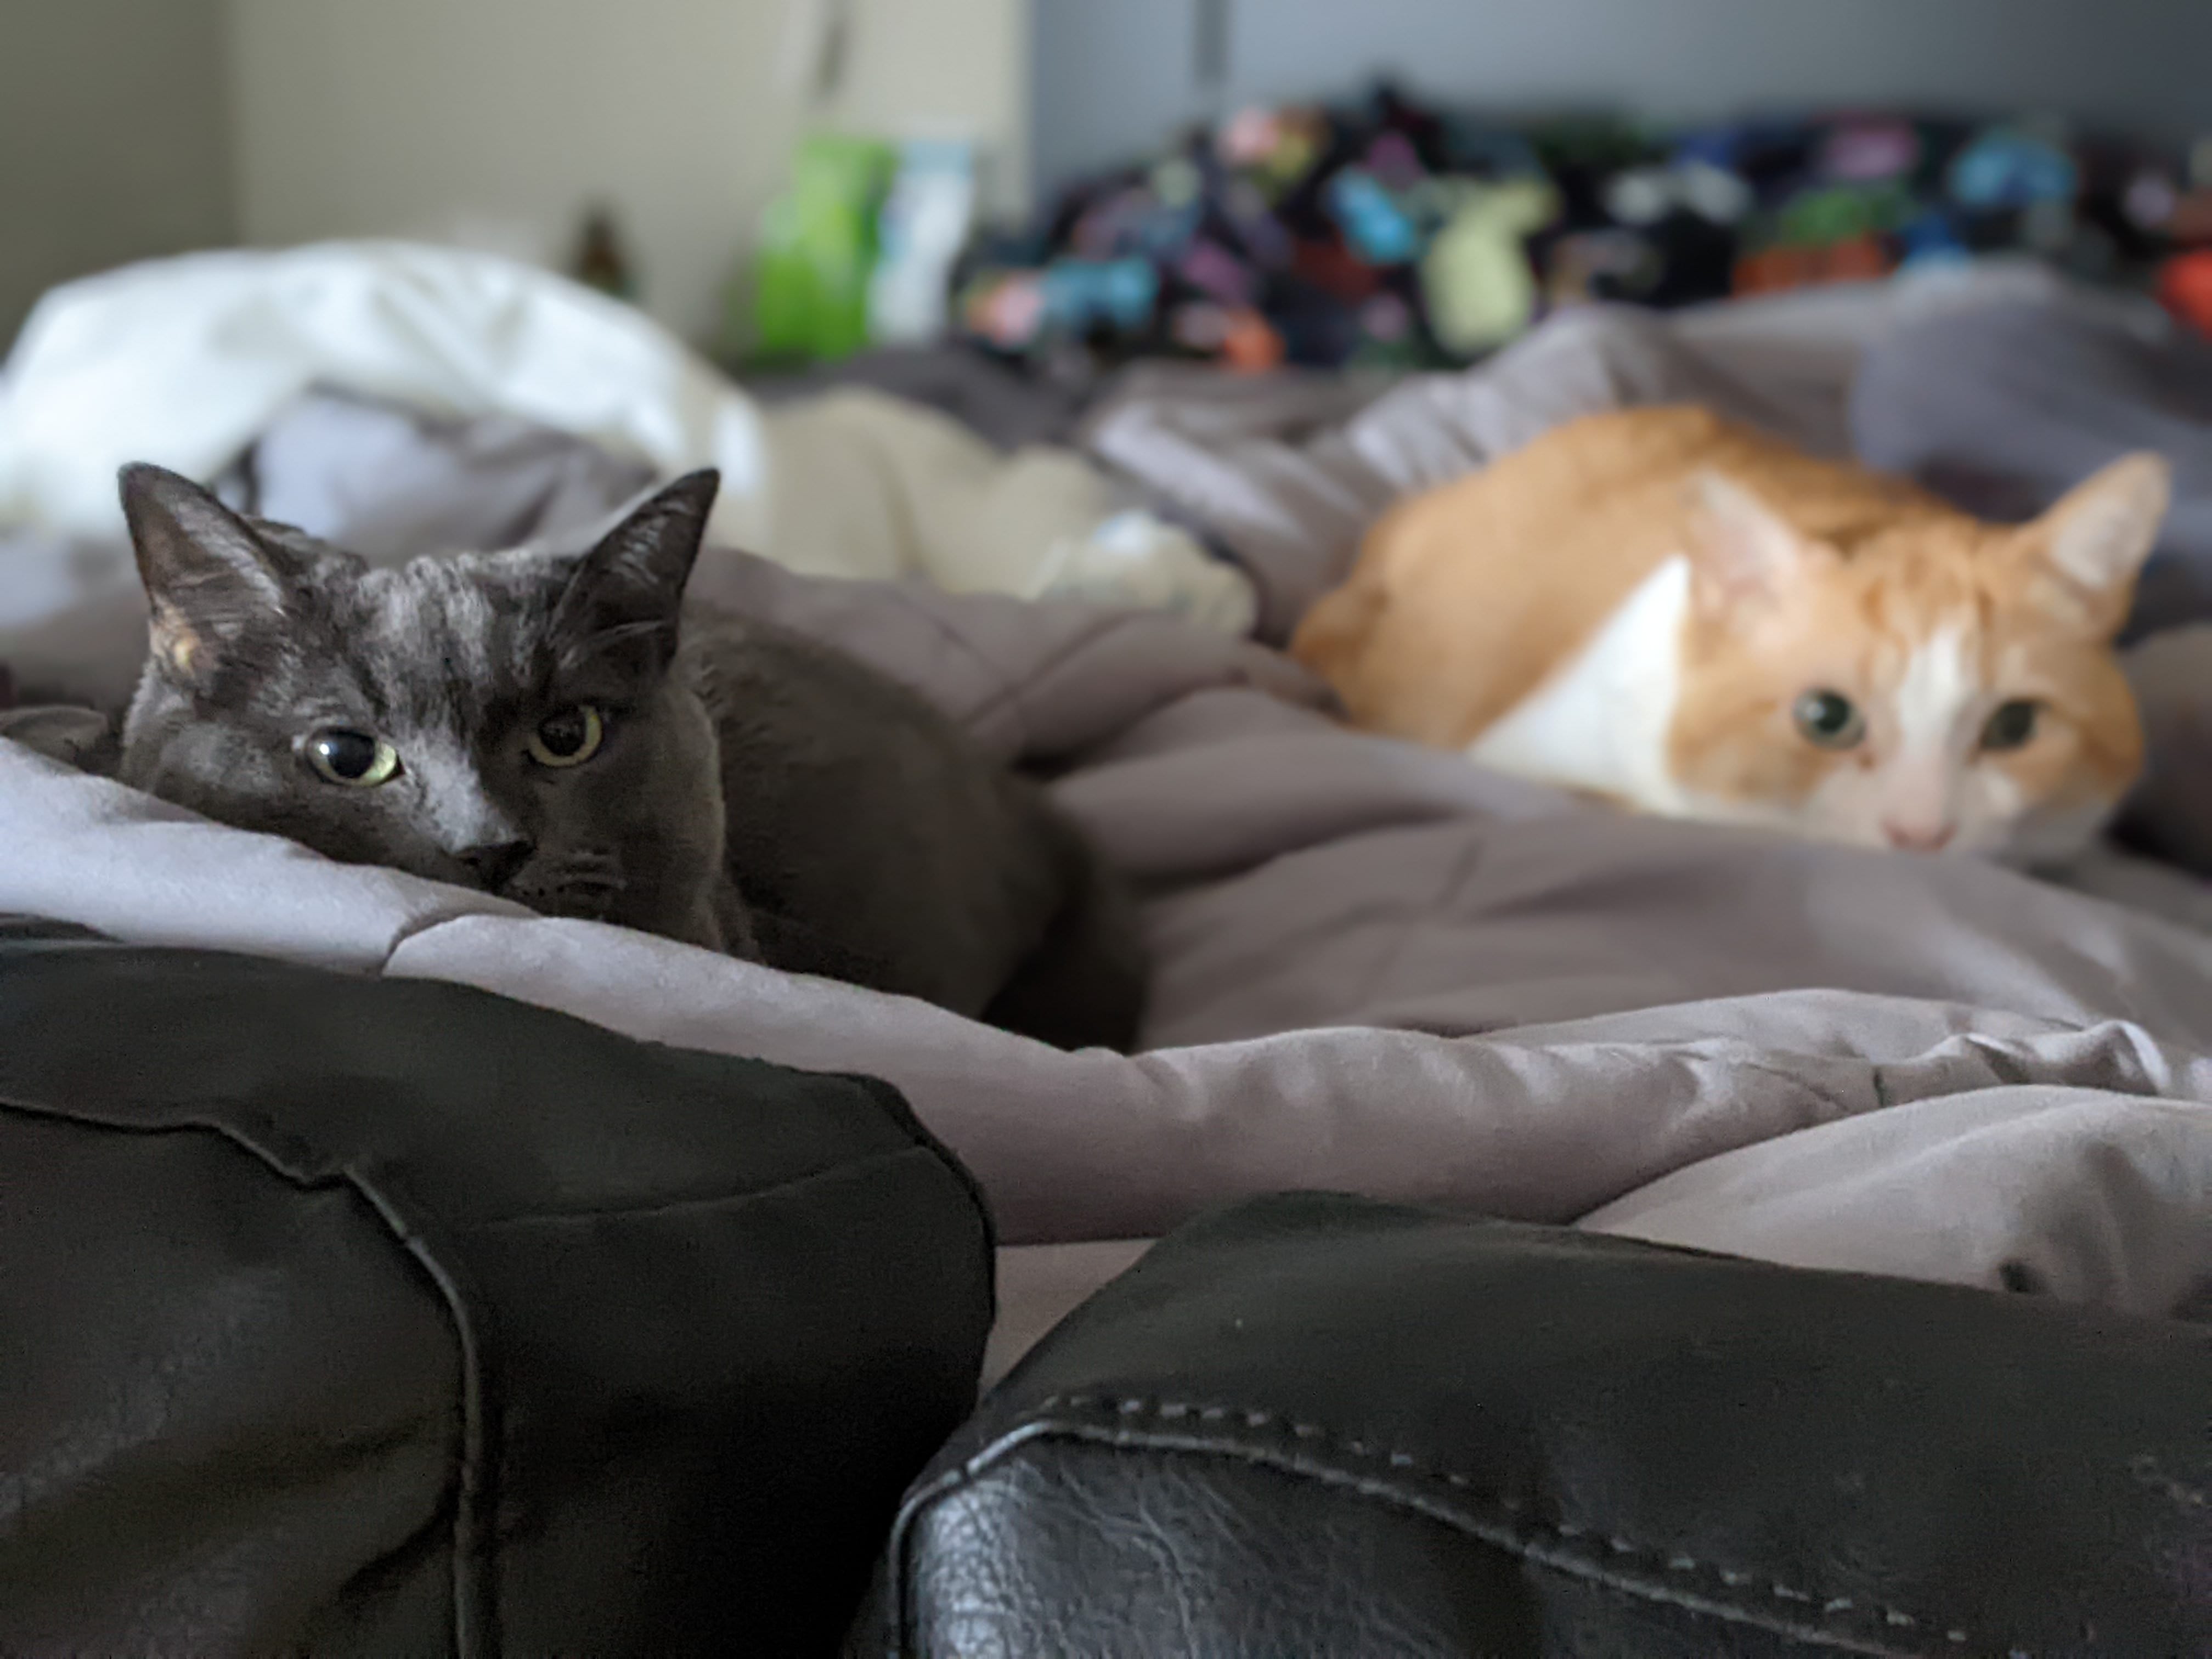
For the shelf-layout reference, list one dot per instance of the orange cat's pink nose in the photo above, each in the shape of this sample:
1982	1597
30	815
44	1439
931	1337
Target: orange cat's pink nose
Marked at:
1918	837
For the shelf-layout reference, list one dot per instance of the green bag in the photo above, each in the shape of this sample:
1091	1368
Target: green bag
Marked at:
819	250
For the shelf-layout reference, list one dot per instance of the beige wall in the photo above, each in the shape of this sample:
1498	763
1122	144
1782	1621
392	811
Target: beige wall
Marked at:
496	121
114	138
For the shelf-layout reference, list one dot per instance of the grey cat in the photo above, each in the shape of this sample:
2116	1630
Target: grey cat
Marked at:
563	731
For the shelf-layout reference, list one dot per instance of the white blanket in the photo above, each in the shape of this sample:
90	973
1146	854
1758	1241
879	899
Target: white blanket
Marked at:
187	361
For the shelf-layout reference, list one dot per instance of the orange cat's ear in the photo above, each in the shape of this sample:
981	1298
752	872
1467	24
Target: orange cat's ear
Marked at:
1740	548
2095	539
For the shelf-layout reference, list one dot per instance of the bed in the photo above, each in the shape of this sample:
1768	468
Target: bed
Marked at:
1376	969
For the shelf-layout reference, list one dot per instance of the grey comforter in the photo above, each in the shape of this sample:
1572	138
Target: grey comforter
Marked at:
1377	970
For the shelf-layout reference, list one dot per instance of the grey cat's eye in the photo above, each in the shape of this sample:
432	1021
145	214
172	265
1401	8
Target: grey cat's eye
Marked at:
569	737
1828	719
357	760
2012	727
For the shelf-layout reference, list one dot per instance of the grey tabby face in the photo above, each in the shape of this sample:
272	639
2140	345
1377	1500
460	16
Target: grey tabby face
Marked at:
508	721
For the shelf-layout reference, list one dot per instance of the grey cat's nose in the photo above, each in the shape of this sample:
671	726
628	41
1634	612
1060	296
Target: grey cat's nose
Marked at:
498	863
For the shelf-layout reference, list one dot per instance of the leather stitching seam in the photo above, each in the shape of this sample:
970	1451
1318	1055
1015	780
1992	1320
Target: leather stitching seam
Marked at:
1524	1528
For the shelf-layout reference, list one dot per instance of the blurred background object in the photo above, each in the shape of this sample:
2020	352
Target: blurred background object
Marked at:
818	252
1415	182
601	262
1070	183
1112	79
133	128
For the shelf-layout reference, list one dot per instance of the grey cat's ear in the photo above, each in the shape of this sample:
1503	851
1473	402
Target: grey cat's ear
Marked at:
1740	548
209	578
627	592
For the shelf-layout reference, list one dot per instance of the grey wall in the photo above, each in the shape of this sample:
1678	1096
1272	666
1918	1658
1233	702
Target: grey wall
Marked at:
114	138
1112	76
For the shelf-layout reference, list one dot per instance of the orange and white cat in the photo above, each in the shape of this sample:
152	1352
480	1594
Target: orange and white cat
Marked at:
1694	619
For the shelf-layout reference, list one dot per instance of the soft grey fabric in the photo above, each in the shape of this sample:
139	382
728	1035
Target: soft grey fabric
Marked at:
1376	969
2170	814
383	481
70	631
390	483
2004	386
1288	471
2005	408
83	737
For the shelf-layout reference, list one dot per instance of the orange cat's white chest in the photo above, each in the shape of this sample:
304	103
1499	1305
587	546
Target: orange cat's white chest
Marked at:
1600	721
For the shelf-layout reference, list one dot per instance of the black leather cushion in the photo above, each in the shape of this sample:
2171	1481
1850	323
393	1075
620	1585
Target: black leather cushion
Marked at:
1321	1426
346	1316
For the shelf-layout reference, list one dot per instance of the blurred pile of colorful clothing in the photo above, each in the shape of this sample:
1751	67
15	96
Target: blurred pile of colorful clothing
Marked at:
1392	235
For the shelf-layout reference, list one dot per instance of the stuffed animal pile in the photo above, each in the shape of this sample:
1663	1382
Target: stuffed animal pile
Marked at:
1395	235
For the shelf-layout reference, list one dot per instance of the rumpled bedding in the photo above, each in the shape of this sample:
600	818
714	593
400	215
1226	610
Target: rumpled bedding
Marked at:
2000	387
1375	968
2004	407
190	363
1287	473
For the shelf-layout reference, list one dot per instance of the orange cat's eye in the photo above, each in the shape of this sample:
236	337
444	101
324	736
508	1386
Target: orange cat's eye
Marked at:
2011	726
1828	719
